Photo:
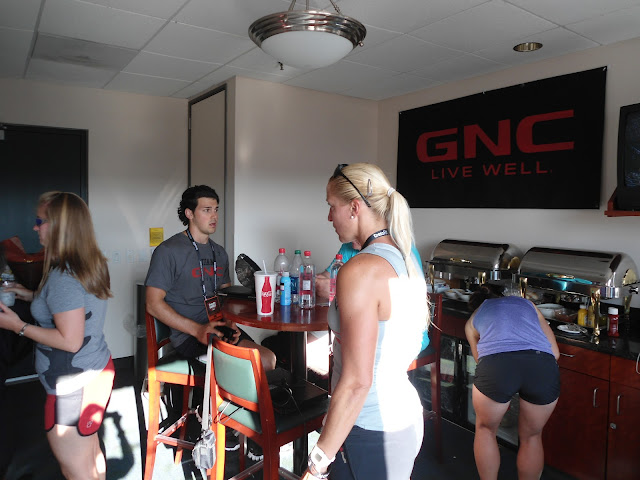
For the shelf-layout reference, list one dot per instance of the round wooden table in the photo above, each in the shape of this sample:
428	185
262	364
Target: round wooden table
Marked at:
284	319
293	319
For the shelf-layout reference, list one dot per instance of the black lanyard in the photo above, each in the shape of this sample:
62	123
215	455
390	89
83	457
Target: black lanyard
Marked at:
380	233
215	269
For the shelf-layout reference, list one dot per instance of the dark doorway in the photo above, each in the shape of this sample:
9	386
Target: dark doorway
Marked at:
34	160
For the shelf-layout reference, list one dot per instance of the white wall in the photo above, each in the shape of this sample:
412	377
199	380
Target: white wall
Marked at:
288	141
580	229
137	172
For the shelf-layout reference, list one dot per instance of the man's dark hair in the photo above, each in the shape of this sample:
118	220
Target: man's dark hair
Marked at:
190	200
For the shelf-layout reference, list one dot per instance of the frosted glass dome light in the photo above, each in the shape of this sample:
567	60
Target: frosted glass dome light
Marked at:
307	38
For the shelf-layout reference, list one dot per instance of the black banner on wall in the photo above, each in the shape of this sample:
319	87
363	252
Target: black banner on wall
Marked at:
534	145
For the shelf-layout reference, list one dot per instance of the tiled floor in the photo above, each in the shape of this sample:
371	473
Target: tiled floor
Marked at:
121	435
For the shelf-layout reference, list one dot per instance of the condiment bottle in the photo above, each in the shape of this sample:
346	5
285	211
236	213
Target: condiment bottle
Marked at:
613	322
591	317
582	315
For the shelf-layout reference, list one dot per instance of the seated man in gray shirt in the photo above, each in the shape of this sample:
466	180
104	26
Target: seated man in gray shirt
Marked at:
189	268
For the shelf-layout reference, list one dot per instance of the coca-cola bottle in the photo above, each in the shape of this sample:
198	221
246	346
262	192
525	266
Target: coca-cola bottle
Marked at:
266	295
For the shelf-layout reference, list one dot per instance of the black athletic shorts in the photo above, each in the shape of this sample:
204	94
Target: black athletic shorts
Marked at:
531	373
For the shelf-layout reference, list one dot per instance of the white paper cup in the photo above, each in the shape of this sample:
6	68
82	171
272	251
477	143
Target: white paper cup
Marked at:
265	297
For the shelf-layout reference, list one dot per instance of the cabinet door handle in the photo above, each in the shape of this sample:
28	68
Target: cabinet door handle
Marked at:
595	393
567	355
618	404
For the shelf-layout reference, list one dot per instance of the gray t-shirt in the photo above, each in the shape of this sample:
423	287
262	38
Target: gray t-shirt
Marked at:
175	269
63	372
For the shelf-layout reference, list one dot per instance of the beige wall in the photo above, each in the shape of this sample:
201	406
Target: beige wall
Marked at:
581	229
288	141
137	172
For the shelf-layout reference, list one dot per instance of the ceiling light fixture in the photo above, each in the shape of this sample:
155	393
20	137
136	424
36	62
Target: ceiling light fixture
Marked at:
307	38
527	47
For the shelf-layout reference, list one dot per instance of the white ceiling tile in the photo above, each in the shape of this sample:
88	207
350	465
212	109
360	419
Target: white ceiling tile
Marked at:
144	84
403	54
571	11
375	36
391	87
257	60
14	51
68	74
156	8
21	14
500	22
230	16
189	91
610	28
87	21
556	42
458	68
196	43
156	65
403	15
339	77
222	75
214	78
186	41
243	72
82	52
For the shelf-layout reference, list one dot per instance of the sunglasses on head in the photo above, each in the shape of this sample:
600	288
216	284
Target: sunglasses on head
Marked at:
40	221
338	173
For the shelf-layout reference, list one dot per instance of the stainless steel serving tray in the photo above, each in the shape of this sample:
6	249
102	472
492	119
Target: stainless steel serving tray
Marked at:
476	261
613	275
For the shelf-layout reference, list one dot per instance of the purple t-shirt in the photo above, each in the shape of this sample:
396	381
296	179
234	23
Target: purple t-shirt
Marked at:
509	324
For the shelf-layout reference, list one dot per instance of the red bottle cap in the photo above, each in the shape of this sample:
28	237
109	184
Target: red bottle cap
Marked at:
307	253
281	250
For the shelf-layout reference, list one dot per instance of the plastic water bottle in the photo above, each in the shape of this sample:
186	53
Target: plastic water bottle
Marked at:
295	274
280	264
285	289
333	275
307	282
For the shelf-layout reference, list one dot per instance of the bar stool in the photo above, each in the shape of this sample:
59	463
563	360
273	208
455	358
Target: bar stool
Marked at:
167	368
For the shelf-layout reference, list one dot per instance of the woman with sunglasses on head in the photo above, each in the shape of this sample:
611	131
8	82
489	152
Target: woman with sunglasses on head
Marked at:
73	361
374	425
516	352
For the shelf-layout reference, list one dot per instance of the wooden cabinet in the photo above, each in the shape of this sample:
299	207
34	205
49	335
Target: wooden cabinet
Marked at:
575	437
454	326
623	459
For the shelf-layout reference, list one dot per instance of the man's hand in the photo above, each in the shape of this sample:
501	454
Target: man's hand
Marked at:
215	328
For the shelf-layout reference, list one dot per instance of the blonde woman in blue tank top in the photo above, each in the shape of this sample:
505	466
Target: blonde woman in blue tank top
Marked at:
374	425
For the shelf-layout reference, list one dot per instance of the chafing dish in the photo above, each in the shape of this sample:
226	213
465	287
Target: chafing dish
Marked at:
596	275
473	262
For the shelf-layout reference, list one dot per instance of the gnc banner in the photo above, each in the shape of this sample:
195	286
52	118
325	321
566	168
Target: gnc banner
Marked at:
535	145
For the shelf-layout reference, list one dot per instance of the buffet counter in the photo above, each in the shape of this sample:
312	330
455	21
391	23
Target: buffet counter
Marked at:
627	345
